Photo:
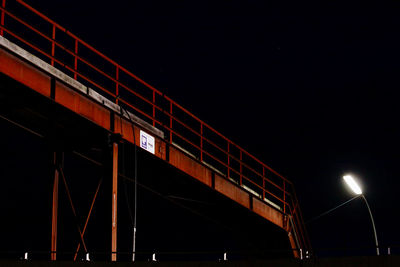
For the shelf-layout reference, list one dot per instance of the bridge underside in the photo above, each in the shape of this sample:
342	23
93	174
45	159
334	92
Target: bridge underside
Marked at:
176	213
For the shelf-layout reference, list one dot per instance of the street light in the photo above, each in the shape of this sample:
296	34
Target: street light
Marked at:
357	190
352	184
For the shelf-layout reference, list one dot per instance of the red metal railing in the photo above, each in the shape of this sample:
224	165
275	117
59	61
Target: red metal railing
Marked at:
62	49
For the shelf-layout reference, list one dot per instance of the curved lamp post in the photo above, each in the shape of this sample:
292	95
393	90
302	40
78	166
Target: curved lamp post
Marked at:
357	190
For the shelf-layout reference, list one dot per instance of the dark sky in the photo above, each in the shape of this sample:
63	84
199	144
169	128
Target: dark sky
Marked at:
311	89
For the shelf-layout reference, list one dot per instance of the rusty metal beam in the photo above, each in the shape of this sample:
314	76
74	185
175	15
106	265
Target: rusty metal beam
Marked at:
54	211
114	203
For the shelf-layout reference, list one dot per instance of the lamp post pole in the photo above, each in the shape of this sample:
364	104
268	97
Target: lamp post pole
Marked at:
373	225
357	190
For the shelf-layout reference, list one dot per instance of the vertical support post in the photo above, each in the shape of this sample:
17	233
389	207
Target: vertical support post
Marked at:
201	142
241	168
54	211
3	5
57	159
170	122
116	84
53	37
154	108
263	182
76	59
114	203
229	161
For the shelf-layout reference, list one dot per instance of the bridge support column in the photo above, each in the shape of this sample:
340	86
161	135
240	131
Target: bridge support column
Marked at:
57	157
114	202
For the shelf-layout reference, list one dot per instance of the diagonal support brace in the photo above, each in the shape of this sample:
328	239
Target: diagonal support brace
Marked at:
82	241
87	218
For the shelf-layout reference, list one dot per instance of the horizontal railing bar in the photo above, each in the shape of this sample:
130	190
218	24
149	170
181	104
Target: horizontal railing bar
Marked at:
245	177
65	49
228	154
226	139
55	60
256	172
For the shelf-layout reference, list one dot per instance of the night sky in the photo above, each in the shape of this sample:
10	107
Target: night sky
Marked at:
310	89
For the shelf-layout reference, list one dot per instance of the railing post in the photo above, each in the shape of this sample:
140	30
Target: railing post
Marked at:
76	59
53	37
116	84
170	122
263	182
3	5
228	171
201	141
154	108
241	168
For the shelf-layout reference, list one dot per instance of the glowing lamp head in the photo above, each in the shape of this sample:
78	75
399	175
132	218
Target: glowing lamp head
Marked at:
352	184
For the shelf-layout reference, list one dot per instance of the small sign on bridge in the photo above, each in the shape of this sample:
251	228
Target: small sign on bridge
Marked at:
147	142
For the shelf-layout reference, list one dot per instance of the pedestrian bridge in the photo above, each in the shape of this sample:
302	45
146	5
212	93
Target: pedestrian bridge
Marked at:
38	54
